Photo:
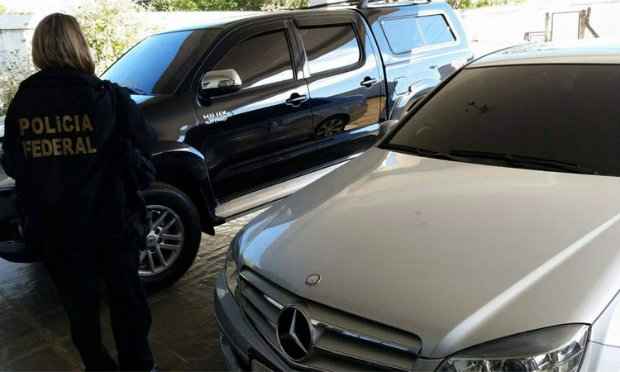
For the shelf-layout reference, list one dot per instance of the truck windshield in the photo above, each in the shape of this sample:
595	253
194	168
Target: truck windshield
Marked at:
558	117
159	63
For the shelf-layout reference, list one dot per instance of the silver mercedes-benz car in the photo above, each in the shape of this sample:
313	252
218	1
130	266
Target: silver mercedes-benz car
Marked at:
482	234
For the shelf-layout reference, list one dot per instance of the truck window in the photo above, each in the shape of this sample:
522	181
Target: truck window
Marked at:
435	30
330	47
158	64
402	34
407	33
260	60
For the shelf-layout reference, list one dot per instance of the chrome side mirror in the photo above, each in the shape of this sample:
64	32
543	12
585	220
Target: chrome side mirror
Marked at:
219	82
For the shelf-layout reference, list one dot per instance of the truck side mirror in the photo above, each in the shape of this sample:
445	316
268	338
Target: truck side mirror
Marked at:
218	82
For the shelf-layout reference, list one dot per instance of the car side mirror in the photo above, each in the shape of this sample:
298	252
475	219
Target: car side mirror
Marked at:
218	82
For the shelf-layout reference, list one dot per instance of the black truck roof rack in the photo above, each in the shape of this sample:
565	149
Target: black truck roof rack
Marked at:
362	4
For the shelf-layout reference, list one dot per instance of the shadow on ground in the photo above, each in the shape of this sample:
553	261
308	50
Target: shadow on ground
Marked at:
34	332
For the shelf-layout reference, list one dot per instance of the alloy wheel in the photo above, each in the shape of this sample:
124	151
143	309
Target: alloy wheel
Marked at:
164	241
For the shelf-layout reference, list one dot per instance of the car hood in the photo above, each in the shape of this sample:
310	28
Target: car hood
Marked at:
454	252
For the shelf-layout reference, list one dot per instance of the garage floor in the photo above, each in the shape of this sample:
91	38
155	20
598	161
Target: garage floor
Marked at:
34	331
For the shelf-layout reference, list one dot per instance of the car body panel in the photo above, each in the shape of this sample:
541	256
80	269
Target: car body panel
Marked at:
509	243
339	92
595	51
262	140
222	149
258	143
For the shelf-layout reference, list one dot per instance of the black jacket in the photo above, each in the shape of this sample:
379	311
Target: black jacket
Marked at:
71	142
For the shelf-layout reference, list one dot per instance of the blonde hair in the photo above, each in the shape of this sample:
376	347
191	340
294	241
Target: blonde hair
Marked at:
59	42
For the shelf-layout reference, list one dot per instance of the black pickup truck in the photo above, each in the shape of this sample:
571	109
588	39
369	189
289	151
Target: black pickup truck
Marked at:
251	109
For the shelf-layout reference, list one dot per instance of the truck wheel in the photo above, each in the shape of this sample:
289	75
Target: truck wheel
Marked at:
173	239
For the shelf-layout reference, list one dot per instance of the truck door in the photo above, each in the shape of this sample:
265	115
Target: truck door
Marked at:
344	75
237	135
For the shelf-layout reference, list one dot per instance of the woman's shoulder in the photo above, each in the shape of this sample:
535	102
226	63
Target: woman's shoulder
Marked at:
60	76
122	94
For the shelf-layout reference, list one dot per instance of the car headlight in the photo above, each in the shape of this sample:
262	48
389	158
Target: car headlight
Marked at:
231	267
554	349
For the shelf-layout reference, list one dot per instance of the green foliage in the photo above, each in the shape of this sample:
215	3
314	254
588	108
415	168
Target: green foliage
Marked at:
284	4
203	5
110	27
200	5
462	4
2	8
15	67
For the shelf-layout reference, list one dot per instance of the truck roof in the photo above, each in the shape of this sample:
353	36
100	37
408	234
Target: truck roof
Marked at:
237	17
574	52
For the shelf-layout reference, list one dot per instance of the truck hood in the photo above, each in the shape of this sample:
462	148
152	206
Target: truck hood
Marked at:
456	253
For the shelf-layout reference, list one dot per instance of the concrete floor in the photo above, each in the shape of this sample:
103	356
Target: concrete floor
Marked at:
34	331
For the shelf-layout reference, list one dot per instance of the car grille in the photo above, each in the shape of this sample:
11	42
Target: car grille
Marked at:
342	341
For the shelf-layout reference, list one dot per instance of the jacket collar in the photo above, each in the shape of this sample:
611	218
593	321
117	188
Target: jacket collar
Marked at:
63	76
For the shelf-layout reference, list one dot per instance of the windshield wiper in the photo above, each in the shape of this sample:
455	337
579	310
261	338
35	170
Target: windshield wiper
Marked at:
421	152
523	161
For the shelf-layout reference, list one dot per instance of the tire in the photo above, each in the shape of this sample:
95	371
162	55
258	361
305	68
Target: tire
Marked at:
175	243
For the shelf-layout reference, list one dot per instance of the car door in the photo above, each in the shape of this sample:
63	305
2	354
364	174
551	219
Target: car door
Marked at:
242	131
344	75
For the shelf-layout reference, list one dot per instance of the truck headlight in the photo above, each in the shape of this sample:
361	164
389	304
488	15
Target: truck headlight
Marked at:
554	349
231	267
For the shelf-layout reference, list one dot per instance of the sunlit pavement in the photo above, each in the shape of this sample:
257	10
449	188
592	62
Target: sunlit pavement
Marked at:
34	332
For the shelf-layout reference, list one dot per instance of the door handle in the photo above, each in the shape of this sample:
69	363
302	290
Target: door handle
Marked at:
368	82
296	99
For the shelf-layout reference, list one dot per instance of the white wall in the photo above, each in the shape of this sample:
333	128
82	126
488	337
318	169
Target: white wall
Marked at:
498	27
15	32
16	29
488	28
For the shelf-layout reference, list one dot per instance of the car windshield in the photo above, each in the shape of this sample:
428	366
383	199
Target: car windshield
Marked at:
159	63
559	117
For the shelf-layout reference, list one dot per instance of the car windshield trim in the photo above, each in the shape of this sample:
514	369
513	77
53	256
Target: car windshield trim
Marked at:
490	158
519	161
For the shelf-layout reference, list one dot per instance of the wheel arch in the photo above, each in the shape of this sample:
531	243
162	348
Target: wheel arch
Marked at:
185	168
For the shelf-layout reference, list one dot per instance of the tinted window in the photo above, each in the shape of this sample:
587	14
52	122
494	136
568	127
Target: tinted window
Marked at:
565	113
260	60
405	34
330	48
158	64
402	34
435	30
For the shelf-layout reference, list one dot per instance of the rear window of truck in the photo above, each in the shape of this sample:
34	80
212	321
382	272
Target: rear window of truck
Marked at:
407	33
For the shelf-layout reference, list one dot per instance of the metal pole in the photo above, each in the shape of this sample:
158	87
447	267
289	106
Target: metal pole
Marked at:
548	27
581	28
588	25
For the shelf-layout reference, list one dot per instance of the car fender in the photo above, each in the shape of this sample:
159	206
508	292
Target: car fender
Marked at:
184	167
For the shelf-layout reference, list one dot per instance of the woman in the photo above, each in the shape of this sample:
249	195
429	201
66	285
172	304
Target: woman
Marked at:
71	145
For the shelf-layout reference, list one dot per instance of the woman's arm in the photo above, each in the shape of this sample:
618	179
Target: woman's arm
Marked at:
12	154
142	135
